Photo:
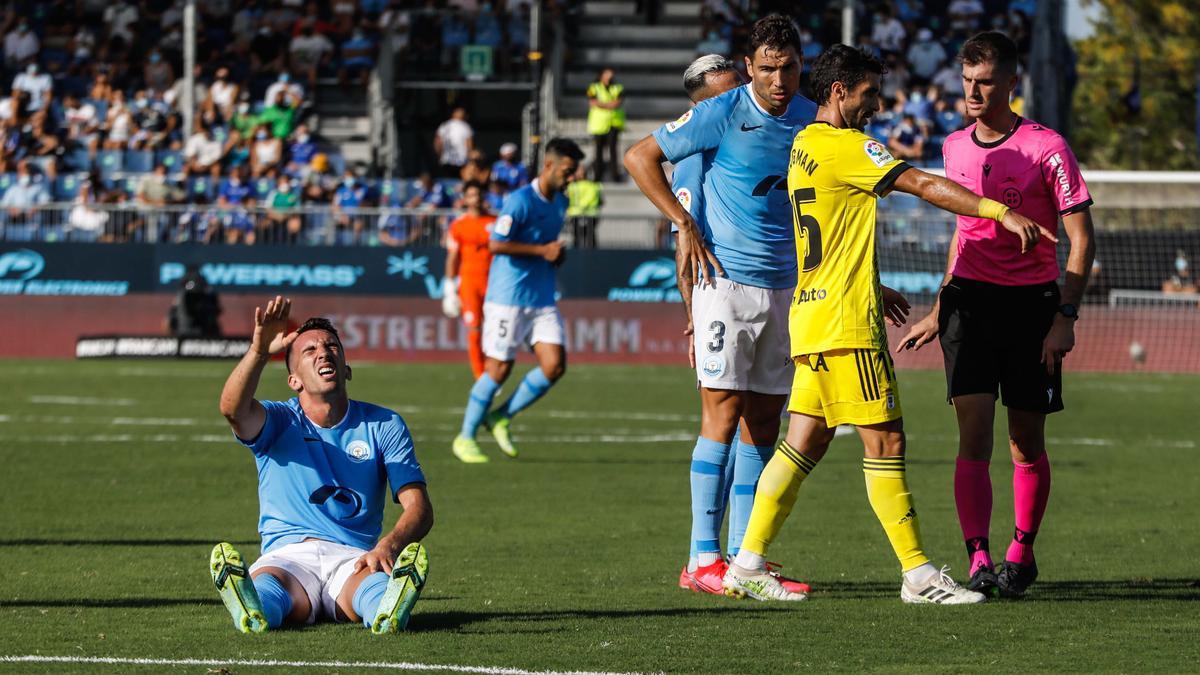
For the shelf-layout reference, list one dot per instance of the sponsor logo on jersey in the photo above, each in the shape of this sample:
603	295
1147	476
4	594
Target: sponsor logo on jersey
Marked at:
713	366
878	154
683	119
358	451
810	295
1060	175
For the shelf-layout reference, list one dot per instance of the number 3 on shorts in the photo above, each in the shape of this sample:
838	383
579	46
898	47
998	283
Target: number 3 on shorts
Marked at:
718	337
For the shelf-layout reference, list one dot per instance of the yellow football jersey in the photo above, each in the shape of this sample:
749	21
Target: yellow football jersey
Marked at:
834	177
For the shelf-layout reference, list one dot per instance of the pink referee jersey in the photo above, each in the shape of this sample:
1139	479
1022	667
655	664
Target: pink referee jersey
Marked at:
1031	170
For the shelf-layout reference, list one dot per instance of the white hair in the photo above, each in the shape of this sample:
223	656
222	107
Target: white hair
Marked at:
694	76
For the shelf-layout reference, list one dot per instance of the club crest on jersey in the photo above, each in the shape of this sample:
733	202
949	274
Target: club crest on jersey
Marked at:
683	119
684	196
878	154
358	451
714	365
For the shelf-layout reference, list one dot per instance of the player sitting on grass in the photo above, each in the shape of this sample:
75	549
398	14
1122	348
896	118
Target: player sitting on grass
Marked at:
322	461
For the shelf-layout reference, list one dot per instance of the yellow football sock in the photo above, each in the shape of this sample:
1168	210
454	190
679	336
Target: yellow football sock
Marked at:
887	489
776	494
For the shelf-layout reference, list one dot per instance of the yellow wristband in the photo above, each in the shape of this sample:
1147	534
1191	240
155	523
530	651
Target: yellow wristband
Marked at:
990	208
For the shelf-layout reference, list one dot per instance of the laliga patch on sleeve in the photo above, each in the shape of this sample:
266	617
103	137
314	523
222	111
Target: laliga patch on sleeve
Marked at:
683	119
877	153
684	196
504	225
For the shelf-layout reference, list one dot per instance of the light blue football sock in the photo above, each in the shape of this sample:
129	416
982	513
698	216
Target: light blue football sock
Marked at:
482	393
274	598
534	386
370	592
727	482
748	466
708	490
728	505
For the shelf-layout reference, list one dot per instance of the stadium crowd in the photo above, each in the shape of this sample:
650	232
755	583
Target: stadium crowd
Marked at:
92	115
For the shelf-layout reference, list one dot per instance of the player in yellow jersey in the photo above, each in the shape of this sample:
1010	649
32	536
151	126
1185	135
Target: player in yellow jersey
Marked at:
843	371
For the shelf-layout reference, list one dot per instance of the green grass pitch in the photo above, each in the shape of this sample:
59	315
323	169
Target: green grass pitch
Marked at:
118	477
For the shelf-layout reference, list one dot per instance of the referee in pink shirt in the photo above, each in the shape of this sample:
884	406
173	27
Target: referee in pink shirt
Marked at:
1003	321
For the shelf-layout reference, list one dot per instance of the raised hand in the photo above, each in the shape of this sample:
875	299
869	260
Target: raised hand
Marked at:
270	327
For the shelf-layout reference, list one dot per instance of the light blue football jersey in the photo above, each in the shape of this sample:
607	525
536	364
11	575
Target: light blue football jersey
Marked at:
687	182
747	213
528	218
329	484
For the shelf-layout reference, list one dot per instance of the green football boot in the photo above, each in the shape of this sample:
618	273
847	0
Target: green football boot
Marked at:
467	449
408	578
498	425
232	579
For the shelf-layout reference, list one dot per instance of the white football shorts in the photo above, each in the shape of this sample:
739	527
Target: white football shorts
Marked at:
321	567
507	328
741	337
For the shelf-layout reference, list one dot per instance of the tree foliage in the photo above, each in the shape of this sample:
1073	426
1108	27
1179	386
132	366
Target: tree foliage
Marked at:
1135	103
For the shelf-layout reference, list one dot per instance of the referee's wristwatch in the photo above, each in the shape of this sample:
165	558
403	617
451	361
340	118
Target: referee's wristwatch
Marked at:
1070	311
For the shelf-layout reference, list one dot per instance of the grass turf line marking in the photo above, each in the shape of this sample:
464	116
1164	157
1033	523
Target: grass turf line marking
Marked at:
401	665
80	400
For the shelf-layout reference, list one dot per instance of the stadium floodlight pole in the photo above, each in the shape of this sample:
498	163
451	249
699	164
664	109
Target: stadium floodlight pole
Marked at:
535	65
848	17
188	104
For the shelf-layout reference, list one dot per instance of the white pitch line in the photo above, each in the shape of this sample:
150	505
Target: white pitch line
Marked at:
80	400
271	663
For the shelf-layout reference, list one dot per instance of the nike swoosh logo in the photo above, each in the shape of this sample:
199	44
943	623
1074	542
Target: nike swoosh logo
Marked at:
746	128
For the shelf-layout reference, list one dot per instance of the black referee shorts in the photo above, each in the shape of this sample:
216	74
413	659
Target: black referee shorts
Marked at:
991	339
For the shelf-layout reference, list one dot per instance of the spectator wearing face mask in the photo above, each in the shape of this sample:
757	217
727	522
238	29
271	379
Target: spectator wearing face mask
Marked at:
158	73
22	198
283	218
509	170
223	93
285	85
37	84
20	44
925	55
358	58
203	153
309	50
348	200
266	152
280	116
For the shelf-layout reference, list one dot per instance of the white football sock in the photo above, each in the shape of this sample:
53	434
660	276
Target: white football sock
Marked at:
920	575
706	559
750	561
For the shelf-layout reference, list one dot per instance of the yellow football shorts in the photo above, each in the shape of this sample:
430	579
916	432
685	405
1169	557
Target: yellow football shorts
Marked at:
846	386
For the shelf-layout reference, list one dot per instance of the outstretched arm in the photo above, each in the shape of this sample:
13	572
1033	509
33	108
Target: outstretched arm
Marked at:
246	415
950	196
414	523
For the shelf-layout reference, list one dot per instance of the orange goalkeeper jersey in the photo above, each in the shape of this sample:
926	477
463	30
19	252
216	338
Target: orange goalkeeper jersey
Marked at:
469	236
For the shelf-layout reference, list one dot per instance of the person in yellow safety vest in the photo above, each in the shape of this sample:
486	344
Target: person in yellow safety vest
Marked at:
606	119
585	198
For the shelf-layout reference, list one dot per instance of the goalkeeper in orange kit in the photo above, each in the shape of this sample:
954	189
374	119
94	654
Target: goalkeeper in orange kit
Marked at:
467	261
